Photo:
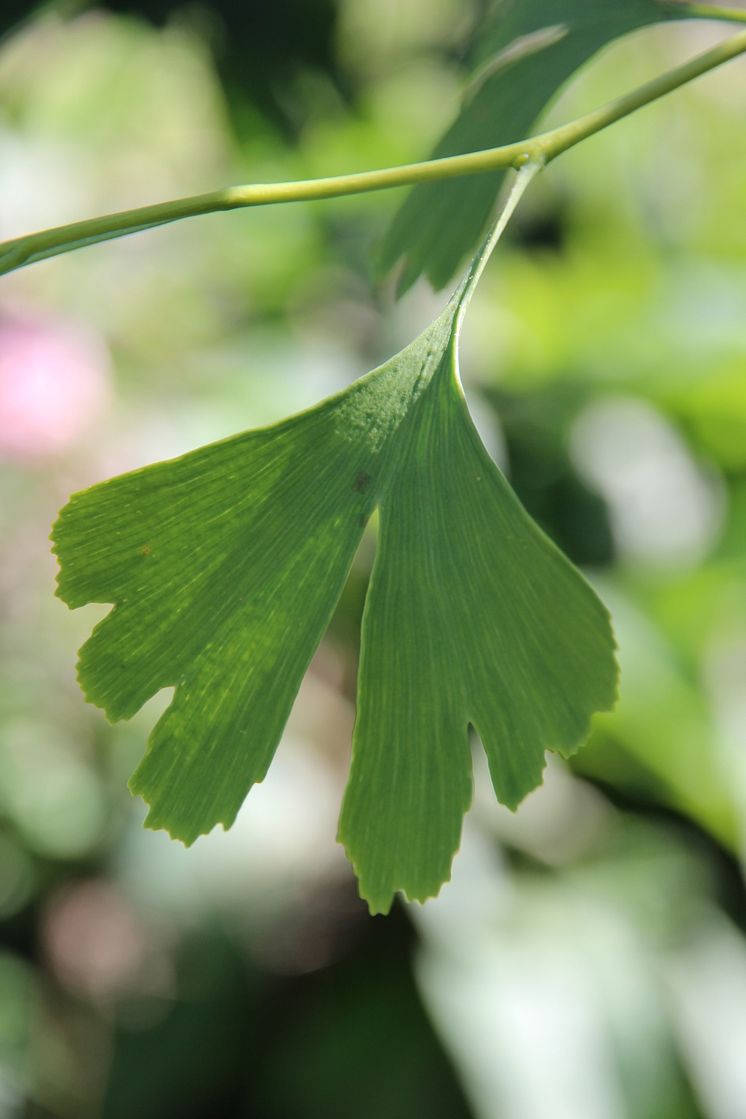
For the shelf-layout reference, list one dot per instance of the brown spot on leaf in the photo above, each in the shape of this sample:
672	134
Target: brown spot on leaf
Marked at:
362	481
145	550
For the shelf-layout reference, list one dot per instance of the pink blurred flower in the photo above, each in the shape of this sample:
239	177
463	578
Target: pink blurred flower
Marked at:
54	382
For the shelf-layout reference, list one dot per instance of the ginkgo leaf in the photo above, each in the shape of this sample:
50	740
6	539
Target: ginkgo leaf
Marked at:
473	617
523	54
224	567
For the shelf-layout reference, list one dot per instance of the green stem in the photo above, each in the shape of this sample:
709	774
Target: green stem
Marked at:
553	143
537	149
466	289
711	11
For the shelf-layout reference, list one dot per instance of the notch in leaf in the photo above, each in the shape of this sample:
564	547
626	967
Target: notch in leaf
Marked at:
224	567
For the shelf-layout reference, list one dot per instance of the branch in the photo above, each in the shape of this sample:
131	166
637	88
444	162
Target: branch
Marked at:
710	11
568	135
540	149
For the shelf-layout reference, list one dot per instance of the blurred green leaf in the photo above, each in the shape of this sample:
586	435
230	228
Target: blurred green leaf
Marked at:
225	566
524	53
662	743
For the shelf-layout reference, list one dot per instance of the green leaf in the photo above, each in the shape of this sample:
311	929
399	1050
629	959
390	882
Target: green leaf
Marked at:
472	617
524	54
224	567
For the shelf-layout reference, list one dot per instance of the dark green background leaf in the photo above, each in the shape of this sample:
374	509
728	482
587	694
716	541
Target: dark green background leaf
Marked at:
524	54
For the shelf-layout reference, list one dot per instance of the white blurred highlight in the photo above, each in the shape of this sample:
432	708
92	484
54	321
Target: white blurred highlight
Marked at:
664	510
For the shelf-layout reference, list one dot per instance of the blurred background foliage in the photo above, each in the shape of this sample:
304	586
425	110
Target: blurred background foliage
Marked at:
588	959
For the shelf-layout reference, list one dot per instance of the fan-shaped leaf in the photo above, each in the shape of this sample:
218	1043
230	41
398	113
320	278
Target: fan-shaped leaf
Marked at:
472	617
224	567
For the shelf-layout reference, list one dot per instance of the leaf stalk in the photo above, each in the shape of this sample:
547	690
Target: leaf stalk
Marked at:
539	149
